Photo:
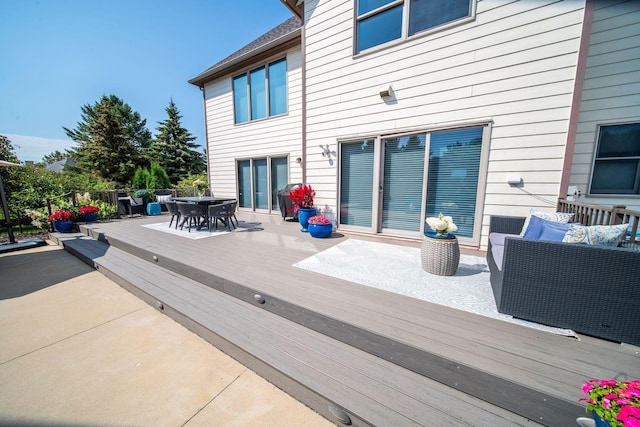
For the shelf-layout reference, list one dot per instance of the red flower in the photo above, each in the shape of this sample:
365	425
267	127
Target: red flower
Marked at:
88	209
62	215
302	197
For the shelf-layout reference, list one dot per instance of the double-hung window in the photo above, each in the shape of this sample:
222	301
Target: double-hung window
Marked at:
616	167
382	21
261	92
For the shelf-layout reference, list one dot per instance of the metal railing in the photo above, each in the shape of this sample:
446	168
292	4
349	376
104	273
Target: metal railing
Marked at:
588	214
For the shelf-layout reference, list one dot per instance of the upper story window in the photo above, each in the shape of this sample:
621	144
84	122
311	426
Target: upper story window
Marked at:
261	92
381	21
616	167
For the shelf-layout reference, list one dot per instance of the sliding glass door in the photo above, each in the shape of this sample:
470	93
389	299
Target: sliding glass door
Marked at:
258	182
389	185
356	183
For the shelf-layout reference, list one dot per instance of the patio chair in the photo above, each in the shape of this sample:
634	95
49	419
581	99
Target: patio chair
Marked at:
231	211
172	207
195	213
218	213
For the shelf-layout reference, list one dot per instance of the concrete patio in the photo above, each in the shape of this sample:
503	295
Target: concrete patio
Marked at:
80	350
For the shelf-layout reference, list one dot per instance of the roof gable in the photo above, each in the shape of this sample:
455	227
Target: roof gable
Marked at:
279	37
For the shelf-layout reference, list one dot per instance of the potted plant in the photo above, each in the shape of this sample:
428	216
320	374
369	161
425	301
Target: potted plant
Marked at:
442	226
199	185
320	226
613	403
440	253
89	213
143	197
302	199
62	220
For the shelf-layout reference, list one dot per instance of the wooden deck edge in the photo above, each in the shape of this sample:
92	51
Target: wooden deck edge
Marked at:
313	400
530	403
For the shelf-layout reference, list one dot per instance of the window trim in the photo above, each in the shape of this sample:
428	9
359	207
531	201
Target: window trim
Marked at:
610	192
247	74
405	37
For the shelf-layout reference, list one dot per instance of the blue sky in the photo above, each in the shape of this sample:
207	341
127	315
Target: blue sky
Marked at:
58	55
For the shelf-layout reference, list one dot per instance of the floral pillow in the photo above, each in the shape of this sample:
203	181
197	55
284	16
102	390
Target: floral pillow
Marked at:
560	217
603	235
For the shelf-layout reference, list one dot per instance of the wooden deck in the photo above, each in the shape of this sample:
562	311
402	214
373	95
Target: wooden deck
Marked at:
344	349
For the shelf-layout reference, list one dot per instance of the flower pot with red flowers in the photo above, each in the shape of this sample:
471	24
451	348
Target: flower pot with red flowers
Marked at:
89	213
62	220
320	226
613	403
302	199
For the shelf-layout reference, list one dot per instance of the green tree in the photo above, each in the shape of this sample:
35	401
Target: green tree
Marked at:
174	148
113	140
141	179
56	156
158	178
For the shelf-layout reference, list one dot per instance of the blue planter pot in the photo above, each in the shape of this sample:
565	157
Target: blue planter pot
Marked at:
63	226
600	422
303	217
89	218
320	230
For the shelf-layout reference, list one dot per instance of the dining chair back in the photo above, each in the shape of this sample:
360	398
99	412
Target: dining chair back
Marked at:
218	213
231	208
172	208
194	213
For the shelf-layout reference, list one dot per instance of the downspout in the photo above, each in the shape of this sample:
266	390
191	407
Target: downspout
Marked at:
304	99
574	116
206	135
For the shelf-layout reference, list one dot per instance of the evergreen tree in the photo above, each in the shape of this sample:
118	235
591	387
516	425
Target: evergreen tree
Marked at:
112	139
174	148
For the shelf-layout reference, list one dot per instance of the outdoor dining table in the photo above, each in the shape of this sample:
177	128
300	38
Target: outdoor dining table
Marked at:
202	200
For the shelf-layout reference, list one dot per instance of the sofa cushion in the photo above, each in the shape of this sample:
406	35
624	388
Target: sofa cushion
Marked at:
601	235
497	246
561	217
553	231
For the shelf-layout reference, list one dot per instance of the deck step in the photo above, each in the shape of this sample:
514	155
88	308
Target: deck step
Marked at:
327	374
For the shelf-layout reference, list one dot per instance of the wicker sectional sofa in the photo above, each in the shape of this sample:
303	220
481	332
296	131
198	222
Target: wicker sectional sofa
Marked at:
593	290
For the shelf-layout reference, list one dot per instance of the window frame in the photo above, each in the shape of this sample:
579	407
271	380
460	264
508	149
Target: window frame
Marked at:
613	192
405	36
267	67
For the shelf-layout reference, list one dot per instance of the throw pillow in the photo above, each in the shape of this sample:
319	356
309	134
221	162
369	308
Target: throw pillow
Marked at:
603	235
560	217
554	231
534	229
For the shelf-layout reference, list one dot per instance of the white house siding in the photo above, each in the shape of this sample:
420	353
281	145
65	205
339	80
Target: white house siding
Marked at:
273	136
513	65
611	88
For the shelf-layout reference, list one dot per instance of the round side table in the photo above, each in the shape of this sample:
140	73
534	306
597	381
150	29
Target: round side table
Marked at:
440	256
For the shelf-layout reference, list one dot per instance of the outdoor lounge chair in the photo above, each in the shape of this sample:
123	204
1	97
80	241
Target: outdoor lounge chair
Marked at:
590	289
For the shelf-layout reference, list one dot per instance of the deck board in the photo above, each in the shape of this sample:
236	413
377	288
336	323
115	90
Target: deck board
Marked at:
386	393
261	262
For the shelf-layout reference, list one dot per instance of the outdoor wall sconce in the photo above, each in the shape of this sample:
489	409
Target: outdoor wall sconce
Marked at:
326	151
385	91
299	160
514	180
